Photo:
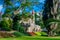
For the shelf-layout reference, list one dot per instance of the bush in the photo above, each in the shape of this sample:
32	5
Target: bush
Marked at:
43	33
18	34
21	29
5	29
5	25
38	33
15	26
27	34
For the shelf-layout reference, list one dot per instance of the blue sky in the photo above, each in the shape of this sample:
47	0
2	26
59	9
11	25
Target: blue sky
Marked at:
17	4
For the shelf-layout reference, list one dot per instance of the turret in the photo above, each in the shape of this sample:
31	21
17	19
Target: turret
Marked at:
33	16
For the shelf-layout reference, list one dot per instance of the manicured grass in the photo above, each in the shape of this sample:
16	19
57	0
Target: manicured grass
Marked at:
32	38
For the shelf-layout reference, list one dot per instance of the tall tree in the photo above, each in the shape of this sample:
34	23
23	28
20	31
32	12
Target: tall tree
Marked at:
49	15
7	4
27	4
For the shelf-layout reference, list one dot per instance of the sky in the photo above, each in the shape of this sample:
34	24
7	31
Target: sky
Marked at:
17	4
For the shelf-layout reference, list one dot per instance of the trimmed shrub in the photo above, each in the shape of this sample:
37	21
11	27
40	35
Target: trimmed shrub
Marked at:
27	34
21	29
38	33
43	33
18	34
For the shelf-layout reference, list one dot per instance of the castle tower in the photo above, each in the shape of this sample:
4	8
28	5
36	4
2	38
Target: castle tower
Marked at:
33	16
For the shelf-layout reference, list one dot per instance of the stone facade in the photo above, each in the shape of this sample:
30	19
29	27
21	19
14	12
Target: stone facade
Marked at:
33	27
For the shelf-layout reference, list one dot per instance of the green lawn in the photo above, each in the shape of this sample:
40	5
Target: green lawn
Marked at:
32	38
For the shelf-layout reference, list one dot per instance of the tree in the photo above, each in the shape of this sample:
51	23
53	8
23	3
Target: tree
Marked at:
16	20
26	4
6	24
50	16
7	4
